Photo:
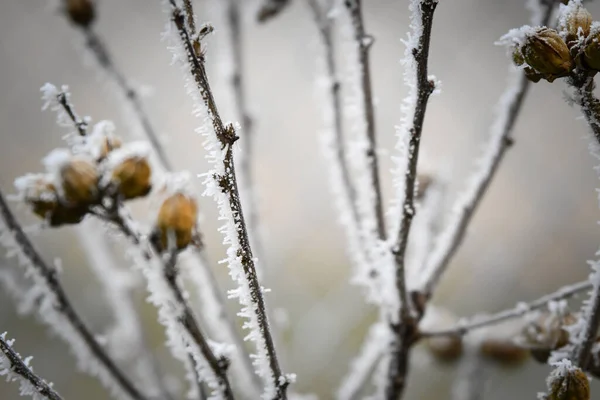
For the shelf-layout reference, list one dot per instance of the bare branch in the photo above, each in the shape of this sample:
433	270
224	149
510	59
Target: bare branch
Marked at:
110	373
229	202
519	310
406	325
31	383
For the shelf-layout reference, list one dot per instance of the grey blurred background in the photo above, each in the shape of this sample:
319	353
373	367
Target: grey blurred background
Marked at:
533	233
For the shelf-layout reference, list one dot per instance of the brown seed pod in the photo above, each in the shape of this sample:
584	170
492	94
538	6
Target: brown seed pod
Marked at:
503	352
132	177
547	53
81	12
591	49
79	180
577	21
445	348
569	384
39	192
177	216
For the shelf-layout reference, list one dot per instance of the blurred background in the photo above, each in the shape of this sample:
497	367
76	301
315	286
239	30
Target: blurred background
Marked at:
533	233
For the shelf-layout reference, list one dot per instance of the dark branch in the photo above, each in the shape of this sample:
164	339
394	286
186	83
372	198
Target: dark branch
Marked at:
79	123
19	367
62	303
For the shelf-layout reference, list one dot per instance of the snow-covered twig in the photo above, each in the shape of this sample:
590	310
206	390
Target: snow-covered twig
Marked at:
508	109
422	86
222	185
364	42
521	309
168	296
17	369
57	311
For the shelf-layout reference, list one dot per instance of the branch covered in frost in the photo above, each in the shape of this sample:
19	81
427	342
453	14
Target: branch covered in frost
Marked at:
63	99
57	311
174	311
364	42
508	110
417	54
221	183
17	369
271	8
521	309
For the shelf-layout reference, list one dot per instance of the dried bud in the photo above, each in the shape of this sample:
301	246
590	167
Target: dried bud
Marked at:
575	21
79	180
503	352
545	334
547	53
568	383
445	348
177	216
132	177
591	49
39	192
108	144
81	12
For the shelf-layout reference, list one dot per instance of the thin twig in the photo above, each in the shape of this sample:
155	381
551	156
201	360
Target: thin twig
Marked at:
519	310
62	303
79	123
452	236
22	368
364	43
227	183
104	59
186	317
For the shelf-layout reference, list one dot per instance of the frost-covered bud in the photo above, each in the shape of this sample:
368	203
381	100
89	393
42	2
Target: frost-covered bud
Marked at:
39	192
568	382
445	348
177	216
132	178
547	53
503	352
81	12
574	21
591	49
79	180
546	334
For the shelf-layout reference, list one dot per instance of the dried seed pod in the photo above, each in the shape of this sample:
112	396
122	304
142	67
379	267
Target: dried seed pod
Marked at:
79	180
177	216
39	192
569	383
591	49
132	177
503	352
445	348
576	21
81	12
547	53
545	334
108	144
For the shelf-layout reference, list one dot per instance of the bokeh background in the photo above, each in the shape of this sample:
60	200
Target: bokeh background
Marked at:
533	233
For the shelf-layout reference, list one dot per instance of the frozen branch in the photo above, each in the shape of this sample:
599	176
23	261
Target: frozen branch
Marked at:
417	53
508	110
17	369
56	310
221	183
521	309
174	310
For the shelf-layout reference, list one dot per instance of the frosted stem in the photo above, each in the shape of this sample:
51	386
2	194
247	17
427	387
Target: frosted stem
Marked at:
228	199
364	43
31	383
184	315
108	371
519	310
405	328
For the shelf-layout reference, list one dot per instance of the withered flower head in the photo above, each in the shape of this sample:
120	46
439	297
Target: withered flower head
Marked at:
81	12
568	382
591	48
39	192
177	216
445	348
547	53
129	171
77	176
574	21
504	352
